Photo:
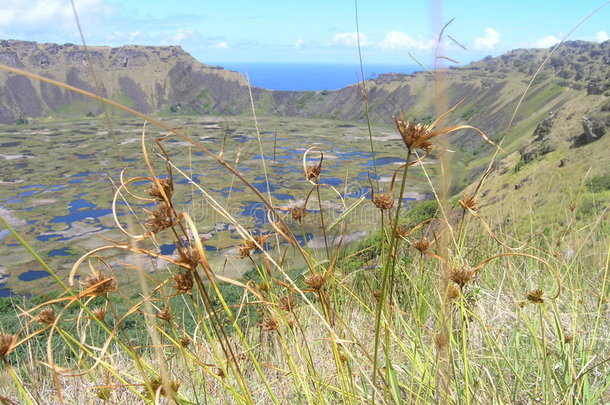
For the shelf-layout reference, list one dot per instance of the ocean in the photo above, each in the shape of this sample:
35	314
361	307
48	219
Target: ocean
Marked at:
310	76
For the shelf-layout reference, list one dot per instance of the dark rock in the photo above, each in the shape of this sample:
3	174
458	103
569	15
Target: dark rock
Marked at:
40	59
544	128
129	56
391	77
10	58
594	127
597	86
53	49
540	144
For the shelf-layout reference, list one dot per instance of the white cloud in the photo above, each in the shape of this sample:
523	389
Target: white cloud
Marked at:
350	39
222	45
545	42
129	37
488	41
7	16
396	40
601	36
182	34
299	43
48	13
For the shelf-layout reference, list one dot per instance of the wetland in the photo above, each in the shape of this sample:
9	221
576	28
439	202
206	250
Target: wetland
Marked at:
57	182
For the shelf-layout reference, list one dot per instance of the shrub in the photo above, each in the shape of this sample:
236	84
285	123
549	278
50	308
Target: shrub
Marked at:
599	183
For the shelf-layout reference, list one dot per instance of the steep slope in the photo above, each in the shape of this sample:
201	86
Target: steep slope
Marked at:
491	88
565	109
167	79
149	79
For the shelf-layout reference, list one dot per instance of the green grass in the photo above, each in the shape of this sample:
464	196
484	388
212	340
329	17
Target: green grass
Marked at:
445	303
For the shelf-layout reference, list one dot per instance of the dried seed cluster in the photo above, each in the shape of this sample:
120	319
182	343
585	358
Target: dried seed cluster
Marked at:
298	212
383	201
160	218
6	344
189	255
315	281
535	296
99	284
183	283
414	135
167	185
470	203
250	245
313	171
46	316
422	245
165	314
270	324
287	303
461	275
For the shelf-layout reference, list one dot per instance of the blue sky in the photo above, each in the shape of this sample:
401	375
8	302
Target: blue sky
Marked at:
308	31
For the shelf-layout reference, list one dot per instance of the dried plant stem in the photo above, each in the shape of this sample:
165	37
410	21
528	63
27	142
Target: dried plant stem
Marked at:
388	270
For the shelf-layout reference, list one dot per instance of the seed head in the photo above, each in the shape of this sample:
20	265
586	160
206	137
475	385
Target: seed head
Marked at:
452	292
160	218
270	324
470	203
461	275
422	245
174	386
298	212
165	314
7	343
46	316
100	313
383	201
535	296
249	245
315	281
244	251
185	341
440	340
99	284
264	286
287	303
414	135
183	283
573	206
166	184
189	256
313	171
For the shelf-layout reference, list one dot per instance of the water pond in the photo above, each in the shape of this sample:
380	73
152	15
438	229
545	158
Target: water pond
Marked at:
57	182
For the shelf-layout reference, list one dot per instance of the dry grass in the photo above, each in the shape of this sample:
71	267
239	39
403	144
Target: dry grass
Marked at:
451	310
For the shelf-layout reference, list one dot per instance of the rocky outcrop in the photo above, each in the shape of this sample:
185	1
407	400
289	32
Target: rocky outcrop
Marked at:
169	80
140	77
540	144
595	126
598	86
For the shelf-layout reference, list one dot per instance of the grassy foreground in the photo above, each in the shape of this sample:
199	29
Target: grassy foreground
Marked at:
437	307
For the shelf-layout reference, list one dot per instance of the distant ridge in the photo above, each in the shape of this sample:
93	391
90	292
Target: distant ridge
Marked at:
168	80
147	78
